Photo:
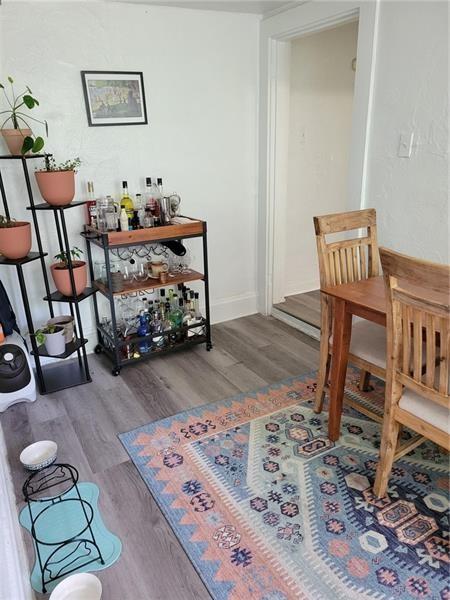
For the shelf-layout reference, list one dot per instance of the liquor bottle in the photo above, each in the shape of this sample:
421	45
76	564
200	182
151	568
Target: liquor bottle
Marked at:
159	183
168	326
91	205
156	327
135	220
162	296
123	220
139	205
126	200
197	316
142	330
153	198
176	314
148	220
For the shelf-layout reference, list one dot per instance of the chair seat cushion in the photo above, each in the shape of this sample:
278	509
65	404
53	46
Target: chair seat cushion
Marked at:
368	342
426	410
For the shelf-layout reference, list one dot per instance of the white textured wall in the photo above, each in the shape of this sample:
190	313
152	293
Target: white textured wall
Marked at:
321	98
200	75
411	94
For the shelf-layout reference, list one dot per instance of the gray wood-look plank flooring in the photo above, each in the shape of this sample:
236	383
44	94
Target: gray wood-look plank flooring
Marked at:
305	307
248	353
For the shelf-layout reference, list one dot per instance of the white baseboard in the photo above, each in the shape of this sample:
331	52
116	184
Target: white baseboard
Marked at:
294	288
14	568
310	330
234	307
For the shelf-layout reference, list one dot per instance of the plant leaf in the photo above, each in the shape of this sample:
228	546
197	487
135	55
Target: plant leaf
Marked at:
27	145
2	86
28	90
38	144
46	128
10	79
29	101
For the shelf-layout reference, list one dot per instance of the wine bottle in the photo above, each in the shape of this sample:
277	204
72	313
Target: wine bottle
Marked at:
126	200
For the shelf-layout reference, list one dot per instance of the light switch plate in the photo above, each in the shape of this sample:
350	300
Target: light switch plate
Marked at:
405	145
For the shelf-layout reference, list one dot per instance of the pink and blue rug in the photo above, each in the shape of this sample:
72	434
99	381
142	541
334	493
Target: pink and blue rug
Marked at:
267	508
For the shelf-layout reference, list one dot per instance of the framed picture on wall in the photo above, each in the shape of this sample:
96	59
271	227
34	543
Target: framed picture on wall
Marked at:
114	98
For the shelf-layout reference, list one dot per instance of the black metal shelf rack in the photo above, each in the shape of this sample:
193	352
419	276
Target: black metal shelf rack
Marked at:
50	378
44	492
110	343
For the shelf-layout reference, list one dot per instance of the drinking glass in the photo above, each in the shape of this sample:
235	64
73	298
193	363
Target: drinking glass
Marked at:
128	273
141	272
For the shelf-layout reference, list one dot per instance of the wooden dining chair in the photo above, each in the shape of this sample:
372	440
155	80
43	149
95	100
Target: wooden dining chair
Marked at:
345	261
418	348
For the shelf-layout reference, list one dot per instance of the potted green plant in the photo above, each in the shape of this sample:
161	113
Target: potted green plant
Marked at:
53	338
20	139
56	182
61	274
15	238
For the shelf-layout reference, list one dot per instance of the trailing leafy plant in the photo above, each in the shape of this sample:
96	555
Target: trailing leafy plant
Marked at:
70	165
6	223
17	117
41	333
63	256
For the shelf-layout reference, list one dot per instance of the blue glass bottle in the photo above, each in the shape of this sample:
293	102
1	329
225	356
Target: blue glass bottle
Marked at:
141	331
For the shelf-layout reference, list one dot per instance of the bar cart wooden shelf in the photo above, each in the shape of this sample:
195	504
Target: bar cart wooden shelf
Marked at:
111	344
50	378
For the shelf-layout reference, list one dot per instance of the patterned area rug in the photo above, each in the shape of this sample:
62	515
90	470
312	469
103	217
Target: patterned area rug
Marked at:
267	508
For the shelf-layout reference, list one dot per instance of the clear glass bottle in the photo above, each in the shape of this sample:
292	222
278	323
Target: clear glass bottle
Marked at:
156	327
148	220
139	205
155	206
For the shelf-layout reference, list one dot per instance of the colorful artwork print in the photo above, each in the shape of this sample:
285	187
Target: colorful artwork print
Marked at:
268	508
114	98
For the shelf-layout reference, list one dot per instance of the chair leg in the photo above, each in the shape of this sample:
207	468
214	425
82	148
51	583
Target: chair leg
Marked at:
324	357
388	448
364	381
322	380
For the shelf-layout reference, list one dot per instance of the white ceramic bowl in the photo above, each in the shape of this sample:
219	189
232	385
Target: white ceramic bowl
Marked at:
39	455
81	586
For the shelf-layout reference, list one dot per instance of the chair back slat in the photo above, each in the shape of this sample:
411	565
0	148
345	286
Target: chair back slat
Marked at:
347	260
418	324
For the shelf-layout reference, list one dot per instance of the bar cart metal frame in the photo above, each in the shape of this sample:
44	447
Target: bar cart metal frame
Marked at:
111	345
50	378
43	480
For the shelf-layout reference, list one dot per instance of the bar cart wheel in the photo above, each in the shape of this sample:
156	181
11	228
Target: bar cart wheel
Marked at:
209	346
116	371
98	349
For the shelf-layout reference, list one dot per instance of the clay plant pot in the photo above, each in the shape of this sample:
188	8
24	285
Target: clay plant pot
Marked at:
56	187
55	343
65	321
61	277
15	241
14	139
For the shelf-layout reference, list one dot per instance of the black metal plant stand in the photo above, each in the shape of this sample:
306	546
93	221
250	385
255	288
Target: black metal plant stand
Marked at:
110	342
50	378
52	485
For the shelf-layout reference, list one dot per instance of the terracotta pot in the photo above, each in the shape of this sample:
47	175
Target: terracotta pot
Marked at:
15	242
65	321
14	139
56	187
61	277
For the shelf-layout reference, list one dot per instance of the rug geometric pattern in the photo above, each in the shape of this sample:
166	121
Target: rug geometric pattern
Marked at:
267	508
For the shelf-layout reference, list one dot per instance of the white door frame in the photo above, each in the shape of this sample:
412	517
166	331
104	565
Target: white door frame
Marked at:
276	33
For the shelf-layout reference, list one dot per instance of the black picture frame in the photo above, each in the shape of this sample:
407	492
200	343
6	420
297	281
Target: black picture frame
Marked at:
111	120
